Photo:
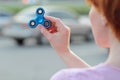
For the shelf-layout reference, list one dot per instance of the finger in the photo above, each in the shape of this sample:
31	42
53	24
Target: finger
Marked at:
58	23
44	31
52	19
61	26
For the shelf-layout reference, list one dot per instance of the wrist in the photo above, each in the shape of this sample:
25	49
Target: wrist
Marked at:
64	51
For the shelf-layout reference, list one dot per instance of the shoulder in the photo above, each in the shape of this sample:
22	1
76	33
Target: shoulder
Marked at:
78	74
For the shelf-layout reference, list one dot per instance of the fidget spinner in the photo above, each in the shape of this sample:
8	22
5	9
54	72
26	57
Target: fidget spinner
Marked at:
41	20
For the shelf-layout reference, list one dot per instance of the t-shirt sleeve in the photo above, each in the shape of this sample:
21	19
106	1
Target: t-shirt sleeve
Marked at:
77	74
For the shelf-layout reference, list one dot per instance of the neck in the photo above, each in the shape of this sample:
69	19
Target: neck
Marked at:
114	54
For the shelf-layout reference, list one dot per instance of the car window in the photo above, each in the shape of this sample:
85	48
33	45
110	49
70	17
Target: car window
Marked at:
32	15
27	14
4	15
61	15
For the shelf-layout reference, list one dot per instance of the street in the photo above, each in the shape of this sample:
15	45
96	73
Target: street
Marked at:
36	62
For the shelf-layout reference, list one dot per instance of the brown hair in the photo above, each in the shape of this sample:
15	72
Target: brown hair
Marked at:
111	10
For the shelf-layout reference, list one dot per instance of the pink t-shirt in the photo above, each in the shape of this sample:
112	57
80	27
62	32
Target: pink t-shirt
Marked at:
100	72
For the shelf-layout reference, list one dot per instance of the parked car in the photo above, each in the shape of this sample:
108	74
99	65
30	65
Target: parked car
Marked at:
20	33
85	21
5	19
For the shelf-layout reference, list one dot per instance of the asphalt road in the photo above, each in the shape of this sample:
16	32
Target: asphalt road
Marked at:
33	62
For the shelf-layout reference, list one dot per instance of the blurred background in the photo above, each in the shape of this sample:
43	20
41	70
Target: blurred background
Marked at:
26	55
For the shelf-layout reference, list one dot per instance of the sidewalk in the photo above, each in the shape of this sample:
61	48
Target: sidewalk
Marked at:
40	62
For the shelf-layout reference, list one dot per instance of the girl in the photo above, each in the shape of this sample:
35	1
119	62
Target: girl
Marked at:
105	19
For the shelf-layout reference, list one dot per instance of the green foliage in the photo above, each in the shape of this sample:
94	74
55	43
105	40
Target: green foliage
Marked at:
13	8
81	10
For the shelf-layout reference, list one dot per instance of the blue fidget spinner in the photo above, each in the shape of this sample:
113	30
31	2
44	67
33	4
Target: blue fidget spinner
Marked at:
39	19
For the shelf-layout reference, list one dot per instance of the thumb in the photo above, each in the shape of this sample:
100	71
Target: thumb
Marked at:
44	31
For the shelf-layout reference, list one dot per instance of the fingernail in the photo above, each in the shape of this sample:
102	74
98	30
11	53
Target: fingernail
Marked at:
39	26
41	31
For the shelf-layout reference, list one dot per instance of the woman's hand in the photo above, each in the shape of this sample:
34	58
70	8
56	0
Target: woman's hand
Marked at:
59	40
